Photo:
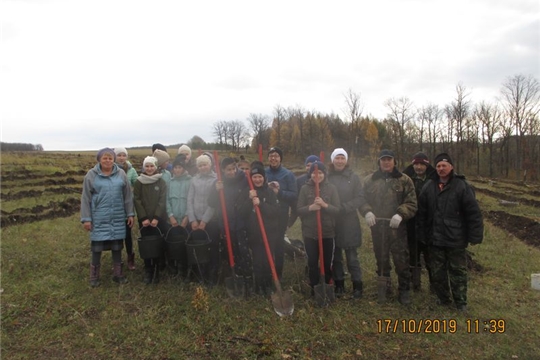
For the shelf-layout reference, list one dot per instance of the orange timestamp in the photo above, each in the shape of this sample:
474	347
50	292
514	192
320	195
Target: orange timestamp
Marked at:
440	326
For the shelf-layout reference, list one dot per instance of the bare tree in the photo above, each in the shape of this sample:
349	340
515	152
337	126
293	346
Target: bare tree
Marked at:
277	124
489	117
353	113
220	132
401	113
521	100
260	124
457	113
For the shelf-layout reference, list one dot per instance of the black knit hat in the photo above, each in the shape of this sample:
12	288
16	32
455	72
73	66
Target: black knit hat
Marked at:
277	150
420	158
226	162
443	157
320	167
159	146
180	160
257	168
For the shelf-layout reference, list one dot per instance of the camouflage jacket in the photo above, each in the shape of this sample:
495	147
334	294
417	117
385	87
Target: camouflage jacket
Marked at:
388	194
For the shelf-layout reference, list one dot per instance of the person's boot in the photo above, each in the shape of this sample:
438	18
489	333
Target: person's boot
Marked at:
382	288
94	275
358	290
131	261
339	288
404	297
416	282
118	275
157	268
148	274
248	286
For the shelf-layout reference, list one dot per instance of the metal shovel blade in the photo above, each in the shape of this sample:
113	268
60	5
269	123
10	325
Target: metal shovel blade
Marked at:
235	286
283	303
324	294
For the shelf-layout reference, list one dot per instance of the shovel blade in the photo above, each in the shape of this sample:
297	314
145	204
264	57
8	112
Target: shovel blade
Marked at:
235	286
283	303
324	294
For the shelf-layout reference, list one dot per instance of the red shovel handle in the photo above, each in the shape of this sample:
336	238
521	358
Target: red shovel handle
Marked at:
263	233
224	212
319	223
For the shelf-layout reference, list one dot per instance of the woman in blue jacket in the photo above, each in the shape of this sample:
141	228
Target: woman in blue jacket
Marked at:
106	205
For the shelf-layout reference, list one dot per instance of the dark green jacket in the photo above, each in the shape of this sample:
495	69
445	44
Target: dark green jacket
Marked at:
329	194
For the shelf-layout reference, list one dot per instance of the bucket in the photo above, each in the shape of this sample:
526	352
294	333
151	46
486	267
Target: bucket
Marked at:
175	243
535	281
151	245
198	247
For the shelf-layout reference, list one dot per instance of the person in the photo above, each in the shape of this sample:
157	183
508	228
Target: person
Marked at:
233	184
150	198
163	163
300	181
124	164
201	215
420	170
191	167
348	231
177	194
263	197
328	204
283	183
243	165
390	199
158	146
106	208
448	220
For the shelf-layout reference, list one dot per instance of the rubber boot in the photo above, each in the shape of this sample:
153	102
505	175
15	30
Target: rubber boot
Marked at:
339	288
118	275
358	290
148	274
404	297
155	278
94	275
416	273
131	261
382	288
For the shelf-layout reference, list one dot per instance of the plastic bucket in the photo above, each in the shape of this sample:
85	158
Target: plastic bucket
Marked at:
535	281
198	247
150	246
175	243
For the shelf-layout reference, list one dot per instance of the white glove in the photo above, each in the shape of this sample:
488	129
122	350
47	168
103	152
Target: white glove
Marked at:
370	219
395	221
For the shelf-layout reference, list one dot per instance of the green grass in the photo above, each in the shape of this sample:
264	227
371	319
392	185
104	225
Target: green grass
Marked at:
50	312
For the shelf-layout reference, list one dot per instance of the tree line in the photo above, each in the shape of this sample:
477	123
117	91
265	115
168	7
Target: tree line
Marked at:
4	146
496	139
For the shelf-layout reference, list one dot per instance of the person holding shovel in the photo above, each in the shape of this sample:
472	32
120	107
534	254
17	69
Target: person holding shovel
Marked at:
328	204
348	231
263	197
448	220
390	199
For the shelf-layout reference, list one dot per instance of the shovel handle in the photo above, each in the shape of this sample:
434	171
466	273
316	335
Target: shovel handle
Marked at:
319	226
224	212
265	239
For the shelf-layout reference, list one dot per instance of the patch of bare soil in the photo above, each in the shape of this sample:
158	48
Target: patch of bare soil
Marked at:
36	193
48	182
24	174
41	212
502	196
523	228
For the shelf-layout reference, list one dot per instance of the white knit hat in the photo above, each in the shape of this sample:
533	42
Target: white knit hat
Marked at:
120	150
339	151
150	159
161	156
204	159
184	149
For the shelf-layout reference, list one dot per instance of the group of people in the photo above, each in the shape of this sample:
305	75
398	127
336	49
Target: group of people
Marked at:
424	210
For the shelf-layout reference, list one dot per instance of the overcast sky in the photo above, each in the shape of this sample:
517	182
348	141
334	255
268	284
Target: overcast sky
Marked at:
81	75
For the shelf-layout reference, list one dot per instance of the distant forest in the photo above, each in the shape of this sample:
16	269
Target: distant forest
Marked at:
4	146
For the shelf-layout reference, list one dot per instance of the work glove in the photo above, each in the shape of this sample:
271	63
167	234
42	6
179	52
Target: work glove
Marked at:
395	221
370	219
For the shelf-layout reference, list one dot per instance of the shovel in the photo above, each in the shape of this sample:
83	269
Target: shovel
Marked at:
281	300
235	284
324	293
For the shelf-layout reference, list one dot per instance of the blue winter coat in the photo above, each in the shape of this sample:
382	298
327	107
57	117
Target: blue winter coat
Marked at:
177	195
106	202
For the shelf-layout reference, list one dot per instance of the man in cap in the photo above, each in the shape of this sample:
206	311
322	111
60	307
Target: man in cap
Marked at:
390	199
348	231
420	170
283	183
300	181
449	219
